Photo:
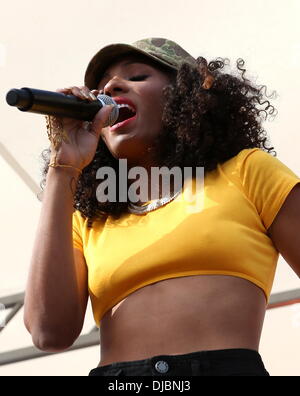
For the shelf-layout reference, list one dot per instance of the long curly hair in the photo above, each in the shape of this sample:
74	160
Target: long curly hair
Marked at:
201	127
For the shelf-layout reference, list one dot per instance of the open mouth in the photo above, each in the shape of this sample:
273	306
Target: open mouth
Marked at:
125	112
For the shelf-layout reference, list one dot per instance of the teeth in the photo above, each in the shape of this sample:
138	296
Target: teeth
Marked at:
126	105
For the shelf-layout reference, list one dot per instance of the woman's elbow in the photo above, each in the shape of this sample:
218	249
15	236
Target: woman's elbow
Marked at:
51	341
51	345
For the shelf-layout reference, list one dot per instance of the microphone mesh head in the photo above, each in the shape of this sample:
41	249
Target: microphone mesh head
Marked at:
107	100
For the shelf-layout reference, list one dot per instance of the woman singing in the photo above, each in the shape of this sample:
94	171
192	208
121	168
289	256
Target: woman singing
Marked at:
177	288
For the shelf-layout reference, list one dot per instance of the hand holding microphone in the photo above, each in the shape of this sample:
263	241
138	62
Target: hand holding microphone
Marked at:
73	107
61	104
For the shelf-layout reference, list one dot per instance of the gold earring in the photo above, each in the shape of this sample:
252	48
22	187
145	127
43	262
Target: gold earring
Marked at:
208	81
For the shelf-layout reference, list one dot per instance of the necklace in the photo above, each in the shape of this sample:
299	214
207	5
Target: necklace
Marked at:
157	203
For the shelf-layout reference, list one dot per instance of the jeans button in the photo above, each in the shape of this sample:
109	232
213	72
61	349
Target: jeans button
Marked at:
161	366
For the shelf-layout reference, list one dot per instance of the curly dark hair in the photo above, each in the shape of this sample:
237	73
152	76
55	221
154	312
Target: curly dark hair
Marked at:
201	127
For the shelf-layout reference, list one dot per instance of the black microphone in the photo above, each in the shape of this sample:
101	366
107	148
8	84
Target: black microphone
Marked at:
59	104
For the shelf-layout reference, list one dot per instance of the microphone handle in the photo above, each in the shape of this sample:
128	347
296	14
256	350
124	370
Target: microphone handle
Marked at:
53	103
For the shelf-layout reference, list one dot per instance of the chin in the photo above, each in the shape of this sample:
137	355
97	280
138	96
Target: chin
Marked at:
126	146
122	151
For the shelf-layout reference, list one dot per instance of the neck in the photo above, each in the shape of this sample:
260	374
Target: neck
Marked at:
150	188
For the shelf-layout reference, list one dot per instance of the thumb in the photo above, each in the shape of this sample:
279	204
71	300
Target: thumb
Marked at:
101	118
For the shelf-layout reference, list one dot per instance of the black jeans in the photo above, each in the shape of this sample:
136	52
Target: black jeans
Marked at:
225	362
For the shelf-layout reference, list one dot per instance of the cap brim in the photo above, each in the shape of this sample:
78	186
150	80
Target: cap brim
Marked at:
106	56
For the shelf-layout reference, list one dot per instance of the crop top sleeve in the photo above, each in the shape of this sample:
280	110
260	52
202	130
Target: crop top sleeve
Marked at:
266	182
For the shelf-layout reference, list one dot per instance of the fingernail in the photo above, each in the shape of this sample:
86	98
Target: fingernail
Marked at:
92	96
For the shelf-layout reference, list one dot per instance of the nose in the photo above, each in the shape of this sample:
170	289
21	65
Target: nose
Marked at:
115	85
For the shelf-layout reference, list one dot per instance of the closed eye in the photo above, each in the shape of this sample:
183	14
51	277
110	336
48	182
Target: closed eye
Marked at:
138	78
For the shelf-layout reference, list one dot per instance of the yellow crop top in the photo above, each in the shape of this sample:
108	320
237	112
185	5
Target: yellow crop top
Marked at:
226	235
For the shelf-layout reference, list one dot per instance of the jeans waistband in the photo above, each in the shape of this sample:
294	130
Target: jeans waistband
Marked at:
221	358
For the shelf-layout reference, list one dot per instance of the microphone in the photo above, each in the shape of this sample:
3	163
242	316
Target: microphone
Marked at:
59	104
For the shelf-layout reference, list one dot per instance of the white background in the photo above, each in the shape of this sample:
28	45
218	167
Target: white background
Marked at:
47	45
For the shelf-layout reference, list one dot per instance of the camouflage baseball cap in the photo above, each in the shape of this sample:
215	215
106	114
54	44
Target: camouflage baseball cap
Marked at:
161	50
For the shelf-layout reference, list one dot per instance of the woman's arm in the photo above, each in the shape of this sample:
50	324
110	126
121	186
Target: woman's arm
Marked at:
56	293
285	230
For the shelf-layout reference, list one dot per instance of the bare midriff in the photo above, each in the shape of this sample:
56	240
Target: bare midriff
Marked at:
183	315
